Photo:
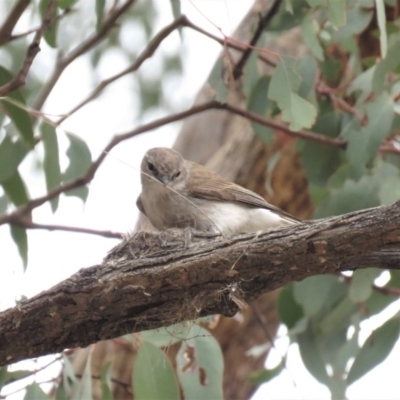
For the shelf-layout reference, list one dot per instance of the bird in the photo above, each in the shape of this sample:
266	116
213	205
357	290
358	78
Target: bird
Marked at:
177	193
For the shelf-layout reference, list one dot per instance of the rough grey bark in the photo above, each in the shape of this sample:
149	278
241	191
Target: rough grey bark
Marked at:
154	280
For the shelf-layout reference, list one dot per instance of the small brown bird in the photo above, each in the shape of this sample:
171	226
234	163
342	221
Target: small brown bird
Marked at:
177	193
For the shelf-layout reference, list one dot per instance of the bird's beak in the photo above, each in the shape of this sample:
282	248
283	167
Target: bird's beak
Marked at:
164	179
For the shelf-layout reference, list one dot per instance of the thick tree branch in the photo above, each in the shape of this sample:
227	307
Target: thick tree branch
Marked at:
33	49
155	280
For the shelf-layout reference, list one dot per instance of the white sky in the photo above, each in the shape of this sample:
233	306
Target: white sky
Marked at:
54	256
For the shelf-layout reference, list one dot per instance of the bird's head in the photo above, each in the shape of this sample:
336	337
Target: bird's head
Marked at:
164	164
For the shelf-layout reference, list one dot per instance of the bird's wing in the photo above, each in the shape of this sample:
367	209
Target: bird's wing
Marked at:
216	188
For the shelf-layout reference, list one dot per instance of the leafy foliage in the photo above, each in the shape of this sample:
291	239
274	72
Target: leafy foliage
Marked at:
344	87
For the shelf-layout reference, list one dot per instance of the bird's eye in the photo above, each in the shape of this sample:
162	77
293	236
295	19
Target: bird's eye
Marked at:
150	166
177	174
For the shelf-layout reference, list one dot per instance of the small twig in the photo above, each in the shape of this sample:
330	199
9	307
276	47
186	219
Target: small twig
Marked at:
339	102
238	69
146	53
149	51
315	137
82	48
33	49
12	19
32	225
23	34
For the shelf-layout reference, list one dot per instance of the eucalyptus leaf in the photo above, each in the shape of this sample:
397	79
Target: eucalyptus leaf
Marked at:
290	312
309	30
11	155
364	144
375	349
17	114
51	163
153	376
285	82
20	238
100	5
260	104
361	284
50	34
15	189
83	390
200	366
337	12
34	391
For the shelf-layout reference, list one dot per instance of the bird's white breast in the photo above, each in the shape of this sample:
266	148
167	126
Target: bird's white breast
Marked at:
231	218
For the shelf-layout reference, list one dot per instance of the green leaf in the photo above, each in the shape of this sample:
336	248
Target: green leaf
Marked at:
100	5
364	144
337	320
337	12
69	381
200	366
176	8
21	240
352	196
50	34
51	163
299	113
376	348
289	310
15	189
321	161
363	84
286	18
83	390
357	19
79	162
63	4
381	16
153	377
3	375
388	64
305	292
310	30
389	192
311	356
361	284
265	375
163	337
259	104
35	392
216	81
11	155
18	115
106	385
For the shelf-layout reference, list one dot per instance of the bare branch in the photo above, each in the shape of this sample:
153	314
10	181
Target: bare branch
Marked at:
84	180
33	49
146	53
263	23
24	223
34	203
149	51
86	45
157	279
12	19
